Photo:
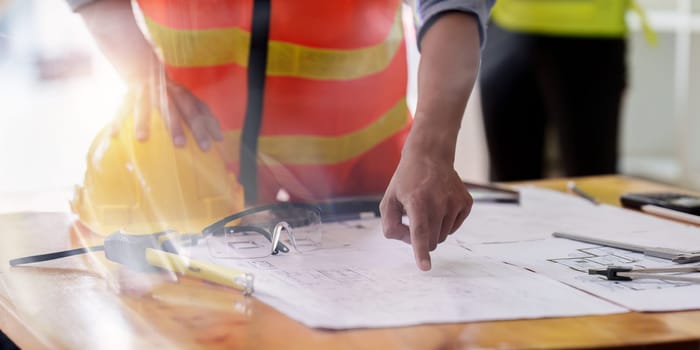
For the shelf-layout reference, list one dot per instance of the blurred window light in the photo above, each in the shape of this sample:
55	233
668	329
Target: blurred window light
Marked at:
57	90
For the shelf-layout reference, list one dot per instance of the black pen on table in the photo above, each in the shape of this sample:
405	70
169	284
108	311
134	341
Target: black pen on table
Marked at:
571	185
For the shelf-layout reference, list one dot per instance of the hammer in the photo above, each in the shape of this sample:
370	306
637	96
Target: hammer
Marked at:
154	252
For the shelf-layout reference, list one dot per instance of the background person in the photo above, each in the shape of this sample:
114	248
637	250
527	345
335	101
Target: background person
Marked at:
556	65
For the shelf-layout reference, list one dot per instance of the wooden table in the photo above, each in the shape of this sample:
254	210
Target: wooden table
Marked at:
85	302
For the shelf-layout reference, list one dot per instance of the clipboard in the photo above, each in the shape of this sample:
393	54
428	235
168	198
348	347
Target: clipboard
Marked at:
362	207
492	193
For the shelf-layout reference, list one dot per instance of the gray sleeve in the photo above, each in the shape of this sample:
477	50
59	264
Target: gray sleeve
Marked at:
431	10
75	5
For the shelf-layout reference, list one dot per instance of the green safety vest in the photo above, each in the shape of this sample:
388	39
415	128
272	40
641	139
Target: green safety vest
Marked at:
583	18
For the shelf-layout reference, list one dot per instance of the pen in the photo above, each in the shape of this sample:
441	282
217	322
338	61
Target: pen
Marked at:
677	256
218	274
579	192
670	213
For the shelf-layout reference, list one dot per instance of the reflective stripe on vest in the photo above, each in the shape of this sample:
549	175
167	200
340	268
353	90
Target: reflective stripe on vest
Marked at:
211	47
563	17
310	149
331	90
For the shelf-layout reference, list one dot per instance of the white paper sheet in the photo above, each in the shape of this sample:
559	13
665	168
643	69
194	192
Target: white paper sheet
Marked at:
361	279
543	212
523	237
568	261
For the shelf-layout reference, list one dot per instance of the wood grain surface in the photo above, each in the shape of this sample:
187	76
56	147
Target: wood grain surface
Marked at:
87	302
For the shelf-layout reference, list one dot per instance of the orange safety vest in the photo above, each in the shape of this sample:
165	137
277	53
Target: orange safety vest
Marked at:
332	114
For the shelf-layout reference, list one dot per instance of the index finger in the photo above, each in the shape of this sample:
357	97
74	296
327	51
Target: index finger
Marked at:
421	228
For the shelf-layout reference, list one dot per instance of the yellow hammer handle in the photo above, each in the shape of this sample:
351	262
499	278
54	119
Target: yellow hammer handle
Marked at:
207	271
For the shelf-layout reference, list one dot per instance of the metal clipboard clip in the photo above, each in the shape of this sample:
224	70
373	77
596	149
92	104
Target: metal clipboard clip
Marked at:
625	273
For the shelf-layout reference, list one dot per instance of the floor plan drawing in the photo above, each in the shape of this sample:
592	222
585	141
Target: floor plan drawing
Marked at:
584	259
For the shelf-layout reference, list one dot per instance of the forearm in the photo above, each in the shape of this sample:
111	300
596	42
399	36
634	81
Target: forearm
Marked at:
112	25
447	71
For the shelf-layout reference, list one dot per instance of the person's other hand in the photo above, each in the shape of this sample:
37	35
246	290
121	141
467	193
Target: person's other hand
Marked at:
431	193
176	104
113	25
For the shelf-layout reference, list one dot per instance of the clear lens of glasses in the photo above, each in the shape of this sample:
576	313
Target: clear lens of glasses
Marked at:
254	235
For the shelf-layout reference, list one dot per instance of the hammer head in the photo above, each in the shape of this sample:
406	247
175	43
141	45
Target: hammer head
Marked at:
130	250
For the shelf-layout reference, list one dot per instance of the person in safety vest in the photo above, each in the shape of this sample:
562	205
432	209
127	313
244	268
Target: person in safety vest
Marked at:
554	65
300	98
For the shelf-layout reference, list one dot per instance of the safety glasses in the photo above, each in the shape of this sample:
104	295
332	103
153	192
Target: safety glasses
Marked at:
265	230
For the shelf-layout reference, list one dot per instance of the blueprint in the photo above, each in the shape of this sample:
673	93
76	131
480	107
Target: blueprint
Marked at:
361	279
569	261
543	212
503	263
523	237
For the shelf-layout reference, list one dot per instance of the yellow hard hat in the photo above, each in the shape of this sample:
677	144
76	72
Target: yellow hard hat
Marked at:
152	186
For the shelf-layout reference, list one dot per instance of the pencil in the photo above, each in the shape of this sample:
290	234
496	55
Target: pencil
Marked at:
671	214
579	192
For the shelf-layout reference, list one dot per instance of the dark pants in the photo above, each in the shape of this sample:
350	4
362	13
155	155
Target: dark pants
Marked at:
532	82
